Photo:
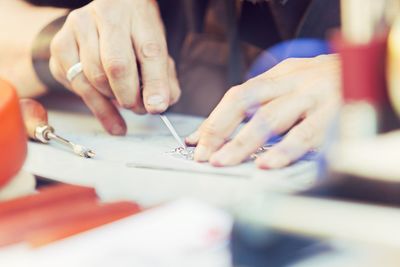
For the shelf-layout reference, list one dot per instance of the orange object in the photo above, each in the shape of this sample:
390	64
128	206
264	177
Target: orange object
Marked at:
51	195
15	227
57	212
13	141
82	221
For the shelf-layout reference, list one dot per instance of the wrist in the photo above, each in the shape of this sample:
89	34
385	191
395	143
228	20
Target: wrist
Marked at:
41	53
16	40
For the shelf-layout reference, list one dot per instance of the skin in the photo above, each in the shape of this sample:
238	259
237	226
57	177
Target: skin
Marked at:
117	43
298	96
16	41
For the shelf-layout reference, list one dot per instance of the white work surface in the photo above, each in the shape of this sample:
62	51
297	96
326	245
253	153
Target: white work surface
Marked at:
147	144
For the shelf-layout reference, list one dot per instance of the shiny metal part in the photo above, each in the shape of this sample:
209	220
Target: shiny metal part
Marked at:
41	133
171	128
45	133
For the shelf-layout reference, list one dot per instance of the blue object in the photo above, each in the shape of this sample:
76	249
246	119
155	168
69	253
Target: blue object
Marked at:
298	48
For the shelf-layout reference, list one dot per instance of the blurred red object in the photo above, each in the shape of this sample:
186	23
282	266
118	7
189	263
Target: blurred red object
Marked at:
13	141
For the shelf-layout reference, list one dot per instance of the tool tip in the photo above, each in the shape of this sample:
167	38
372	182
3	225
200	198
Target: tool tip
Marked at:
83	151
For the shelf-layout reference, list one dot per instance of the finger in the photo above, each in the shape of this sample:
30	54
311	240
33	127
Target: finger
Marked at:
34	115
173	82
274	118
236	105
100	106
302	138
117	56
243	101
58	72
66	53
151	50
193	138
89	52
221	123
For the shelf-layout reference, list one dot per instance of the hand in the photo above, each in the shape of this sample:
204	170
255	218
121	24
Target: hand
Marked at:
298	95
115	41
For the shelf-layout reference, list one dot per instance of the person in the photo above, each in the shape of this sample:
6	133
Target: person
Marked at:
127	49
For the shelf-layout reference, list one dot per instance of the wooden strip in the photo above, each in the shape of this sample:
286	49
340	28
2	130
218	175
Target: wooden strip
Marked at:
82	222
50	195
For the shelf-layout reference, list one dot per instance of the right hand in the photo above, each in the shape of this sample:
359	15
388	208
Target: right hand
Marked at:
117	42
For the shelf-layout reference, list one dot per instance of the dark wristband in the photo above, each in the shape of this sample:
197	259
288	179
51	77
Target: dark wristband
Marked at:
41	53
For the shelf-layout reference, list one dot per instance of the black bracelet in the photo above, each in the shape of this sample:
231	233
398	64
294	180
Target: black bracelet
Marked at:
41	53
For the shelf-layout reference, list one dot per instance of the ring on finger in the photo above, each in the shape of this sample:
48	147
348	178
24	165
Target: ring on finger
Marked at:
74	71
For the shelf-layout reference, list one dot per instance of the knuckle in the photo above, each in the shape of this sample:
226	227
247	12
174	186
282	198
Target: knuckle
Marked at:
238	96
99	79
266	119
210	128
233	93
239	143
116	68
152	50
74	17
155	83
306	133
56	72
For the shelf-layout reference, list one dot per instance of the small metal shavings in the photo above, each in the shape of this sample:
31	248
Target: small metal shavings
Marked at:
260	150
188	153
184	153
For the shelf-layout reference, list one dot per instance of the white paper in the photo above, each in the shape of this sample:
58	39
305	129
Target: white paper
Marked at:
147	144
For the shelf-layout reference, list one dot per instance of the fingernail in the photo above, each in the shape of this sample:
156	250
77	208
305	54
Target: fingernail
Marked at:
189	142
202	154
156	101
117	130
192	139
262	164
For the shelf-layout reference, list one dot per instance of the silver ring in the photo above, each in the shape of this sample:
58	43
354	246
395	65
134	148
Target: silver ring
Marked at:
74	71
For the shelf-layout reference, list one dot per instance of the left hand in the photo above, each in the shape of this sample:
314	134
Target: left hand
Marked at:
298	95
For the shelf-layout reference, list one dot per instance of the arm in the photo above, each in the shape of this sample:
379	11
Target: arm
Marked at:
19	25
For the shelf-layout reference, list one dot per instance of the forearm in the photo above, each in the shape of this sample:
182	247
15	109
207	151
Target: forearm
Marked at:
19	25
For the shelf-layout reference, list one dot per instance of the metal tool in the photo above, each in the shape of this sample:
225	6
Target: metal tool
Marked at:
36	124
171	128
45	133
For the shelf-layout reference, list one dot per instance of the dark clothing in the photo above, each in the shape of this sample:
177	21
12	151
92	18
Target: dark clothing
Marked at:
261	24
60	3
